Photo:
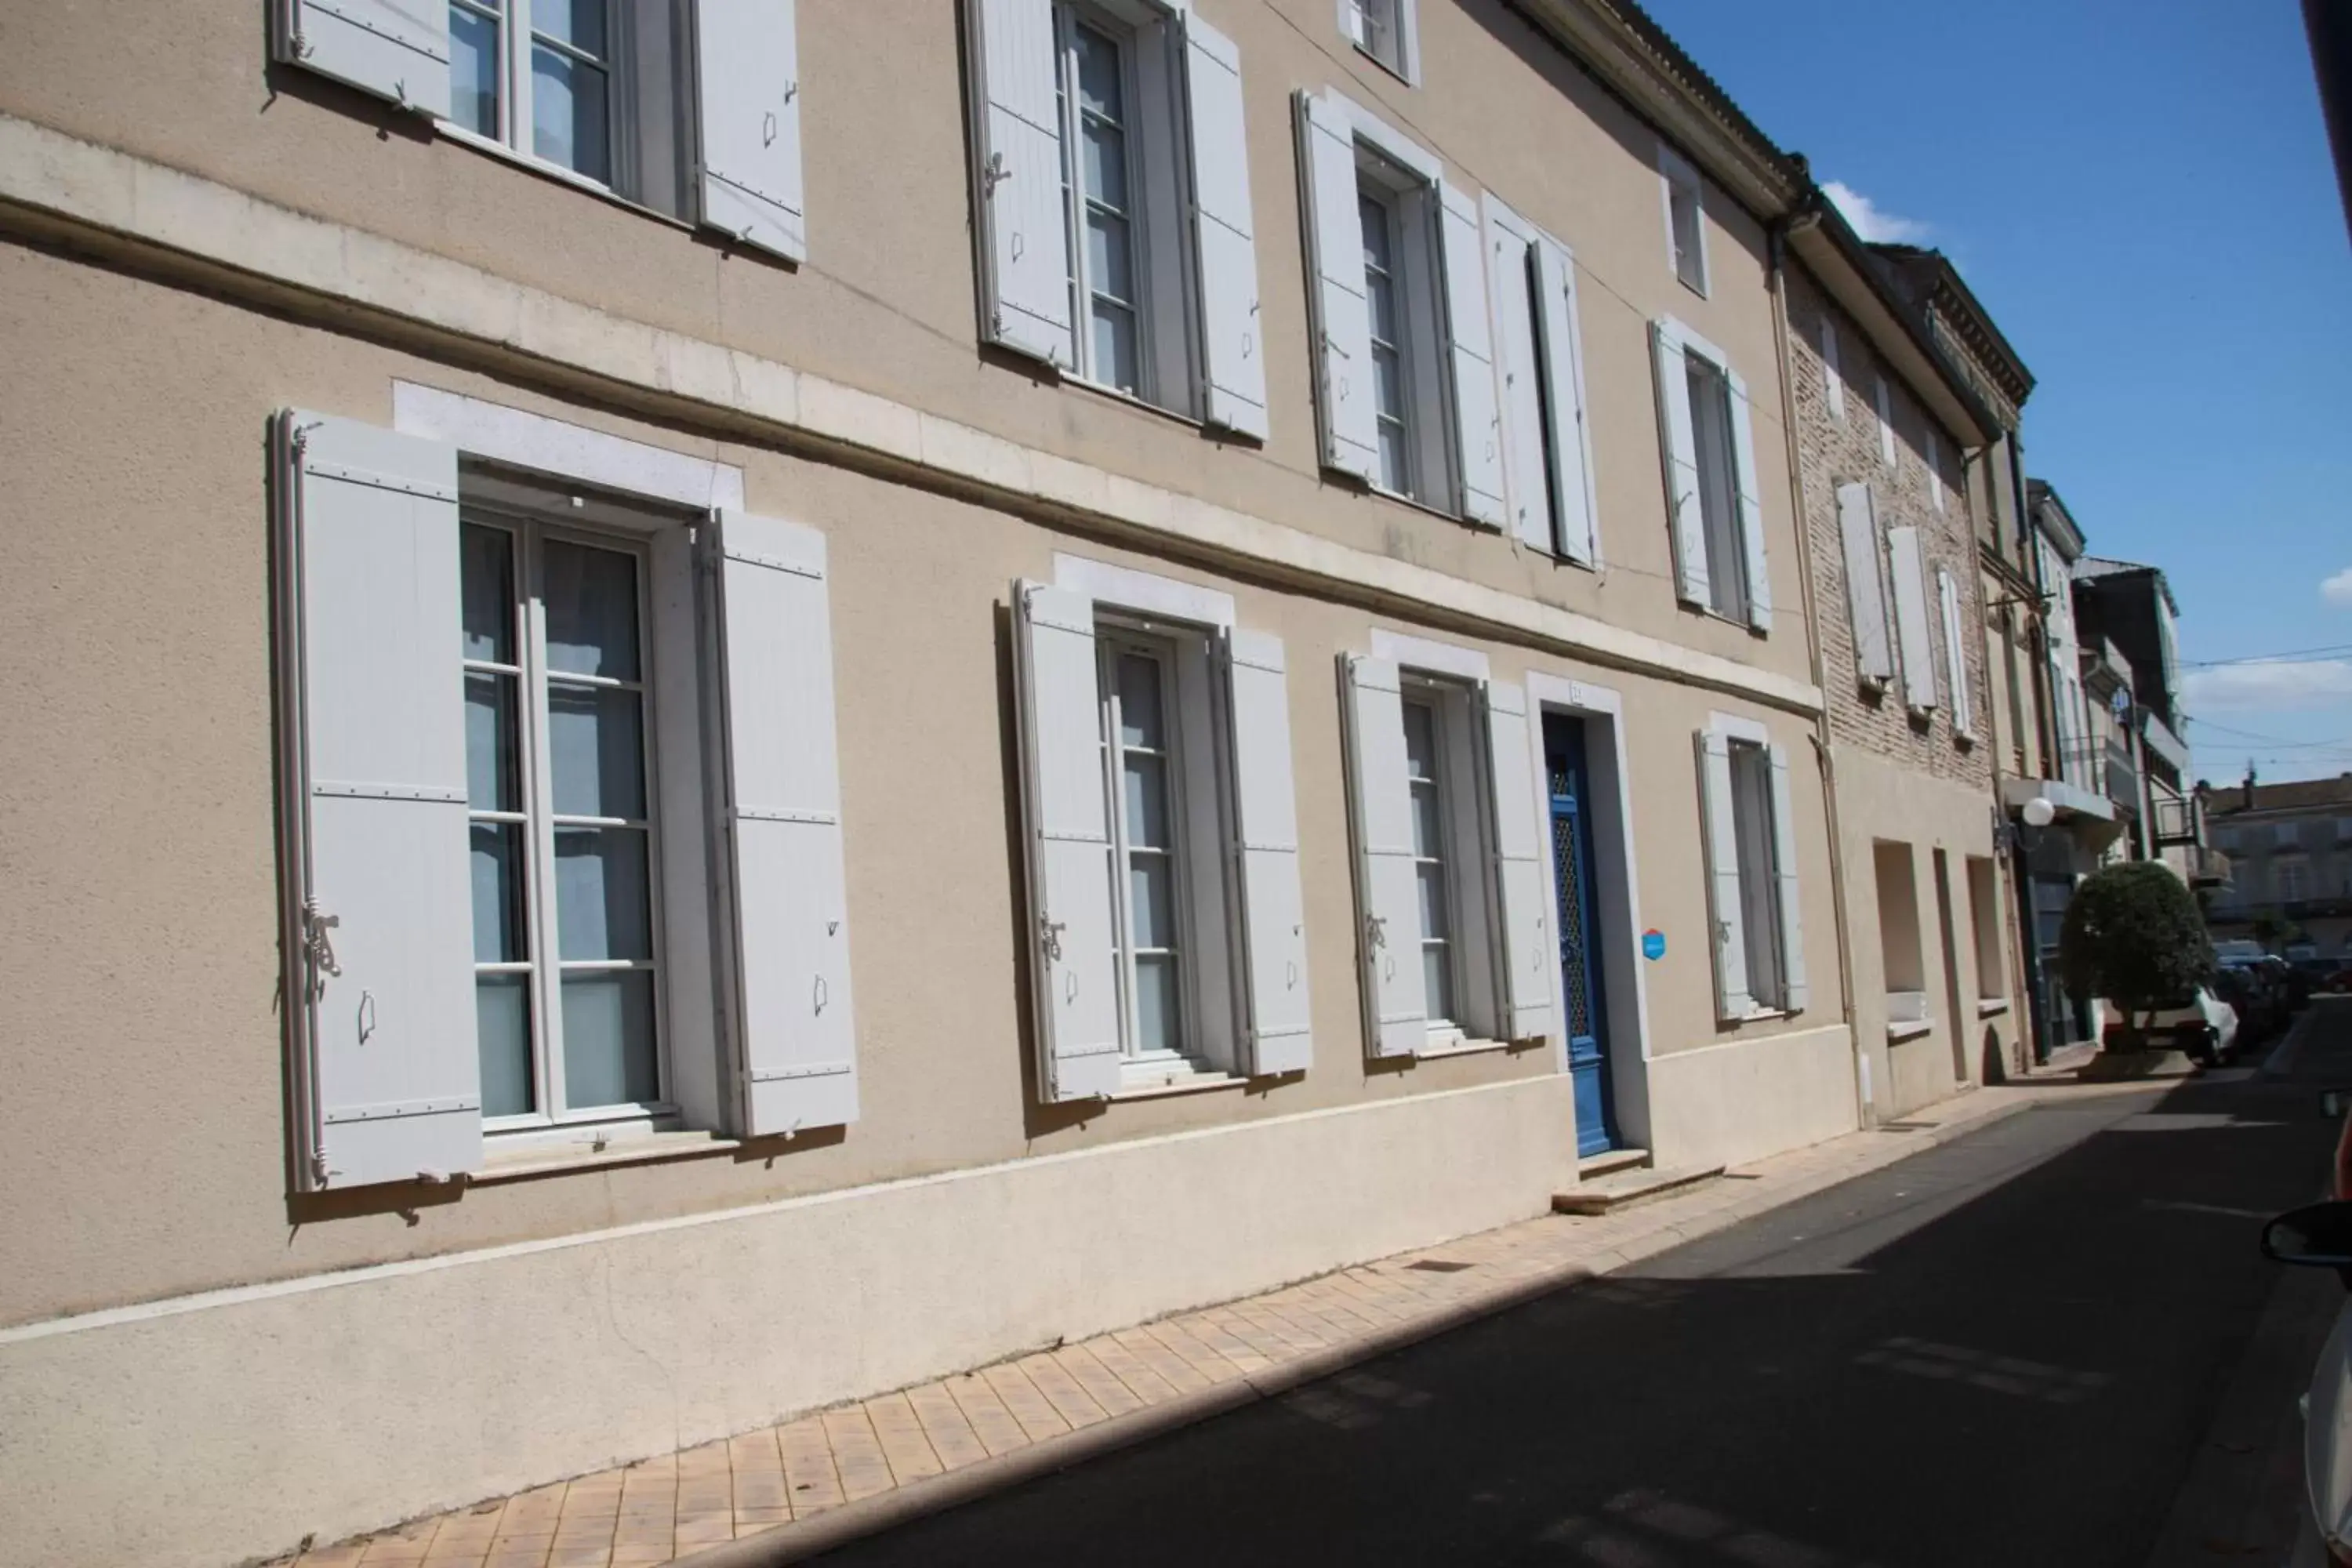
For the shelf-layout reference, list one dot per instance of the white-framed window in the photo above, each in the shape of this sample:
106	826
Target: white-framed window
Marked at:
1161	836
1539	355
1747	813
1832	373
2292	878
1883	396
1449	850
2287	835
564	855
1680	192
1111	183
1388	31
1408	400
1935	469
564	839
692	111
1144	735
1713	497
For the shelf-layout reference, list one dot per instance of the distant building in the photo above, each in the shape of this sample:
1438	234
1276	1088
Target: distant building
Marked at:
2289	848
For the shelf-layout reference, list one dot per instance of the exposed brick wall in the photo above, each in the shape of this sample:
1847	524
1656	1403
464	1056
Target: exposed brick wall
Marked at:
1831	452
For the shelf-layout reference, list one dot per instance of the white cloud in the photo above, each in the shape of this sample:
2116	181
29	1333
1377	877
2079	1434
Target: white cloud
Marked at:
2338	590
2313	683
1869	221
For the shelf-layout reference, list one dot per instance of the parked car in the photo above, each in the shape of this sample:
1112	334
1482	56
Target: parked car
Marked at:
2320	1237
2205	1026
2258	998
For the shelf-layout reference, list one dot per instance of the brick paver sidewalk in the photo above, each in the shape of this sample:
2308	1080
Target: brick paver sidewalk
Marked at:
662	1509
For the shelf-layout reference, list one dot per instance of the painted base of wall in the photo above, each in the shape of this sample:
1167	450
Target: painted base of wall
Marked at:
213	1429
1732	1103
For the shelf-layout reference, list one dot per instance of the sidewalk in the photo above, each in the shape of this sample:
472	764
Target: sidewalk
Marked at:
838	1474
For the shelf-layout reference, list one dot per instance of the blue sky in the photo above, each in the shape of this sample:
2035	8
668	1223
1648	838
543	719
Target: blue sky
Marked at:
2141	194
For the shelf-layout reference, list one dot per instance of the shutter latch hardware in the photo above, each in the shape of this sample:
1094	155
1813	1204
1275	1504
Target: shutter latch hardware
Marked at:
1050	932
994	174
1376	930
317	946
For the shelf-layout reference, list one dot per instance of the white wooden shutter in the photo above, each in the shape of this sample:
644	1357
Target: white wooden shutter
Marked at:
1885	421
1562	350
1678	447
1935	469
1396	1004
1751	504
1794	991
797	1035
1510	286
1024	244
1233	360
747	55
397	49
1274	930
1865	583
1070	871
1718	823
1955	655
1343	326
1911	619
1832	374
378	936
1470	332
1528	951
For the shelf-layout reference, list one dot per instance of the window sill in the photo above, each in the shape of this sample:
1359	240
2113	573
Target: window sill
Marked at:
1071	378
1989	1005
1909	1029
1175	1084
555	172
1379	491
1460	1046
1395	71
526	1160
1698	288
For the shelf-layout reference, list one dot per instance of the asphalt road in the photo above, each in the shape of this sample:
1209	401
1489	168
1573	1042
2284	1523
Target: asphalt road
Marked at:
2008	1351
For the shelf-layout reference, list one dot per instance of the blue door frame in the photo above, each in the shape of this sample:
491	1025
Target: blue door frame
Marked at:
1579	933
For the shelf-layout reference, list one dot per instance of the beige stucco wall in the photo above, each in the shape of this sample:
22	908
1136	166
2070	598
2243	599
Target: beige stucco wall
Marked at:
138	973
1882	802
886	299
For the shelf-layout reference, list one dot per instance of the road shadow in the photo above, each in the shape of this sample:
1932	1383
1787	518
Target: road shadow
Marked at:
2001	1352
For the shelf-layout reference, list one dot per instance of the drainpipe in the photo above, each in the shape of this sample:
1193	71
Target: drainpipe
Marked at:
1865	1115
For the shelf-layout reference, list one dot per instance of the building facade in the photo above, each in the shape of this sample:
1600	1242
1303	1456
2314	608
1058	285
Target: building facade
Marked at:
741	737
2289	848
1884	422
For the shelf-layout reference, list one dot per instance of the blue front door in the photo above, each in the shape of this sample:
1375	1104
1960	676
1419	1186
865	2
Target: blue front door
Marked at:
1579	932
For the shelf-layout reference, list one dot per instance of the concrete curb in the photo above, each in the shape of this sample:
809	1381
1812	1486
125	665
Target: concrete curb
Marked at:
837	1527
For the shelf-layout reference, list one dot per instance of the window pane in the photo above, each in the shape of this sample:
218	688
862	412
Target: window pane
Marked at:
473	70
1114	346
1387	385
568	113
1435	917
1420	740
579	23
600	894
1437	980
1103	162
595	744
1139	717
1392	456
1152	894
1111	266
493	781
592	611
608	1039
1147	801
1101	89
1373	218
485	572
1428	831
1156	1025
502	1025
496	862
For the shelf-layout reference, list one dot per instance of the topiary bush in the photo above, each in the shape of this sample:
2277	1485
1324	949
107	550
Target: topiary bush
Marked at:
2133	936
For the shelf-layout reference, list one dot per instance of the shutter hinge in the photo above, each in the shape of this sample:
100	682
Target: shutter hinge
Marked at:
317	948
